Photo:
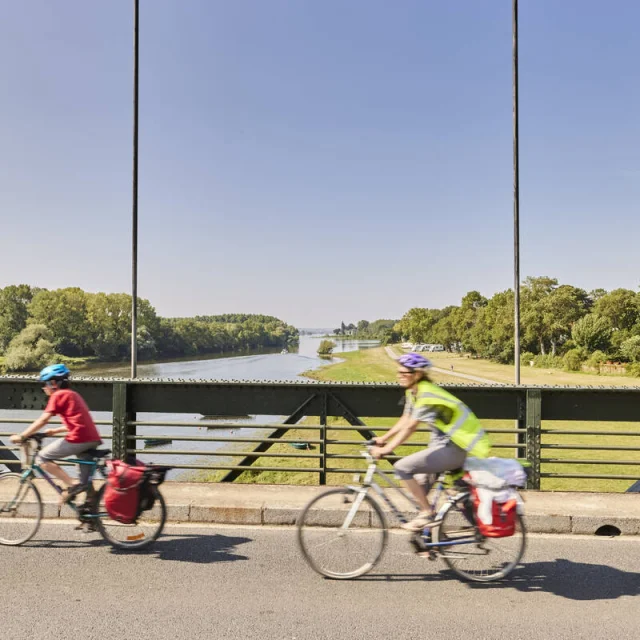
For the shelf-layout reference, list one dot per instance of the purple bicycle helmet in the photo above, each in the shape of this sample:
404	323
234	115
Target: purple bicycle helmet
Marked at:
414	361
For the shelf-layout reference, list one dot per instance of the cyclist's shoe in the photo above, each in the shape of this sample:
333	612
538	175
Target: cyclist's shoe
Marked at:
86	527
71	492
423	520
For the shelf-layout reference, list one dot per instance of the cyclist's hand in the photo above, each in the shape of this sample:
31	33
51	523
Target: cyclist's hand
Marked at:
50	433
16	438
379	452
378	441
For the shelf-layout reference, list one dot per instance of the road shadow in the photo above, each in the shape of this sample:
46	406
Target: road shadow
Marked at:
198	549
571	580
563	578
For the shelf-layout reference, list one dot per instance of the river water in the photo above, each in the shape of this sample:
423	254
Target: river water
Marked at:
254	366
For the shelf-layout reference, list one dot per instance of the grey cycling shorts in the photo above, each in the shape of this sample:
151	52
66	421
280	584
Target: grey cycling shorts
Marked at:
431	461
60	448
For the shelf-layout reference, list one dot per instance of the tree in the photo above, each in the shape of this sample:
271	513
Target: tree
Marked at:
363	325
64	312
620	307
630	349
417	324
592	332
326	348
564	306
14	301
31	349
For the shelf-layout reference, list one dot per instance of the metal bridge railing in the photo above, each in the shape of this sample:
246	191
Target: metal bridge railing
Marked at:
523	422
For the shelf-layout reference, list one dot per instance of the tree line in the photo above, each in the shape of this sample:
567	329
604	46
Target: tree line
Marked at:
38	326
561	325
383	330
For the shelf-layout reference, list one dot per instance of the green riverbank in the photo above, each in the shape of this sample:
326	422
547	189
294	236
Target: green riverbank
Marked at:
374	365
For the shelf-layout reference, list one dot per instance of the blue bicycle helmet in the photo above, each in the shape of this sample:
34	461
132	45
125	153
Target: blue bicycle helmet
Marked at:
414	361
54	372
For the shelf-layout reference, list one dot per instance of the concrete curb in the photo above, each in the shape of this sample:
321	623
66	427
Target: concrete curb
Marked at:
554	512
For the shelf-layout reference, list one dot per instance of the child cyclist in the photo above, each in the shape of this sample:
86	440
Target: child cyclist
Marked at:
455	433
77	424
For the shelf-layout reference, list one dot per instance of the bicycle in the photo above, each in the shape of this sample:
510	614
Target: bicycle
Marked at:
21	507
347	528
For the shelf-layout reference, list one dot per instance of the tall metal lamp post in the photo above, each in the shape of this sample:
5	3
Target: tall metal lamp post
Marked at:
134	234
516	198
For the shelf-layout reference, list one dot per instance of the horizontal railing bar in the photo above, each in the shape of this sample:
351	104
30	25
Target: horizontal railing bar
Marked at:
151	436
6	434
219	425
588	476
226	439
587	447
361	442
246	468
225	454
589	433
615	462
30	421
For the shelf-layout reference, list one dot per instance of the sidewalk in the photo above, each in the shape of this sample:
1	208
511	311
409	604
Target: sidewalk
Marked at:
252	504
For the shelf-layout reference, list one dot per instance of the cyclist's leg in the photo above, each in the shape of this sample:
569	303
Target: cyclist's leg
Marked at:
61	448
85	469
433	460
55	451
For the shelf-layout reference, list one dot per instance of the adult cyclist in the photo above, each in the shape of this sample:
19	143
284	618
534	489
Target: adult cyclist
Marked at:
77	425
455	433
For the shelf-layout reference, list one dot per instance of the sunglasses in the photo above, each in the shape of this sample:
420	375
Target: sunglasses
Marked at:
406	373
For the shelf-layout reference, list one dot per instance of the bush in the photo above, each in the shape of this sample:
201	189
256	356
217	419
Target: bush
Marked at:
573	359
31	349
596	359
547	361
326	347
634	370
526	358
630	349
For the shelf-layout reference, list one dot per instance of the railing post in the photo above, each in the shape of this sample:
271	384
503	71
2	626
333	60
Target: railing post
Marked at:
534	425
521	423
323	433
121	416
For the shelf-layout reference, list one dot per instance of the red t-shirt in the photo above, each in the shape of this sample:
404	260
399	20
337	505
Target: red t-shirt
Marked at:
74	413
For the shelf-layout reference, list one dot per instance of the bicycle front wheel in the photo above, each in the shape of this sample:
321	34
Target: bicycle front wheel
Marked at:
484	559
342	534
138	535
20	509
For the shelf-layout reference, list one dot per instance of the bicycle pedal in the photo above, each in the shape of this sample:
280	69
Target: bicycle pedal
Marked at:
429	555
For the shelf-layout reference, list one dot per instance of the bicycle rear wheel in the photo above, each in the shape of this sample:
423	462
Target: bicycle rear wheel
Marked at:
341	534
137	535
485	559
20	509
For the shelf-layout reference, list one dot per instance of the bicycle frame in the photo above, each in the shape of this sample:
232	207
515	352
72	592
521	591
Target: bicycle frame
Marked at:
34	470
439	487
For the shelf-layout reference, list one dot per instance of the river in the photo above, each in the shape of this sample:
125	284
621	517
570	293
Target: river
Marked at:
254	366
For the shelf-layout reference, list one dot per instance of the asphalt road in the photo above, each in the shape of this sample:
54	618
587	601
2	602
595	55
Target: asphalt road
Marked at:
241	582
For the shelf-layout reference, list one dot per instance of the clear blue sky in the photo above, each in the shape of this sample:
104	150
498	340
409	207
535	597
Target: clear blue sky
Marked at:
319	161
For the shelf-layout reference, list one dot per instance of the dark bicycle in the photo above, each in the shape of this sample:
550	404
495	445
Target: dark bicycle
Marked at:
21	507
343	532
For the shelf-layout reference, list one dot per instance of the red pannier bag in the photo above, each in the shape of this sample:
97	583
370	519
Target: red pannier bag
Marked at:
122	493
503	517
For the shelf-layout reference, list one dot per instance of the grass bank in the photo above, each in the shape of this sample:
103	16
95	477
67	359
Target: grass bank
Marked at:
366	365
528	375
374	365
348	442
